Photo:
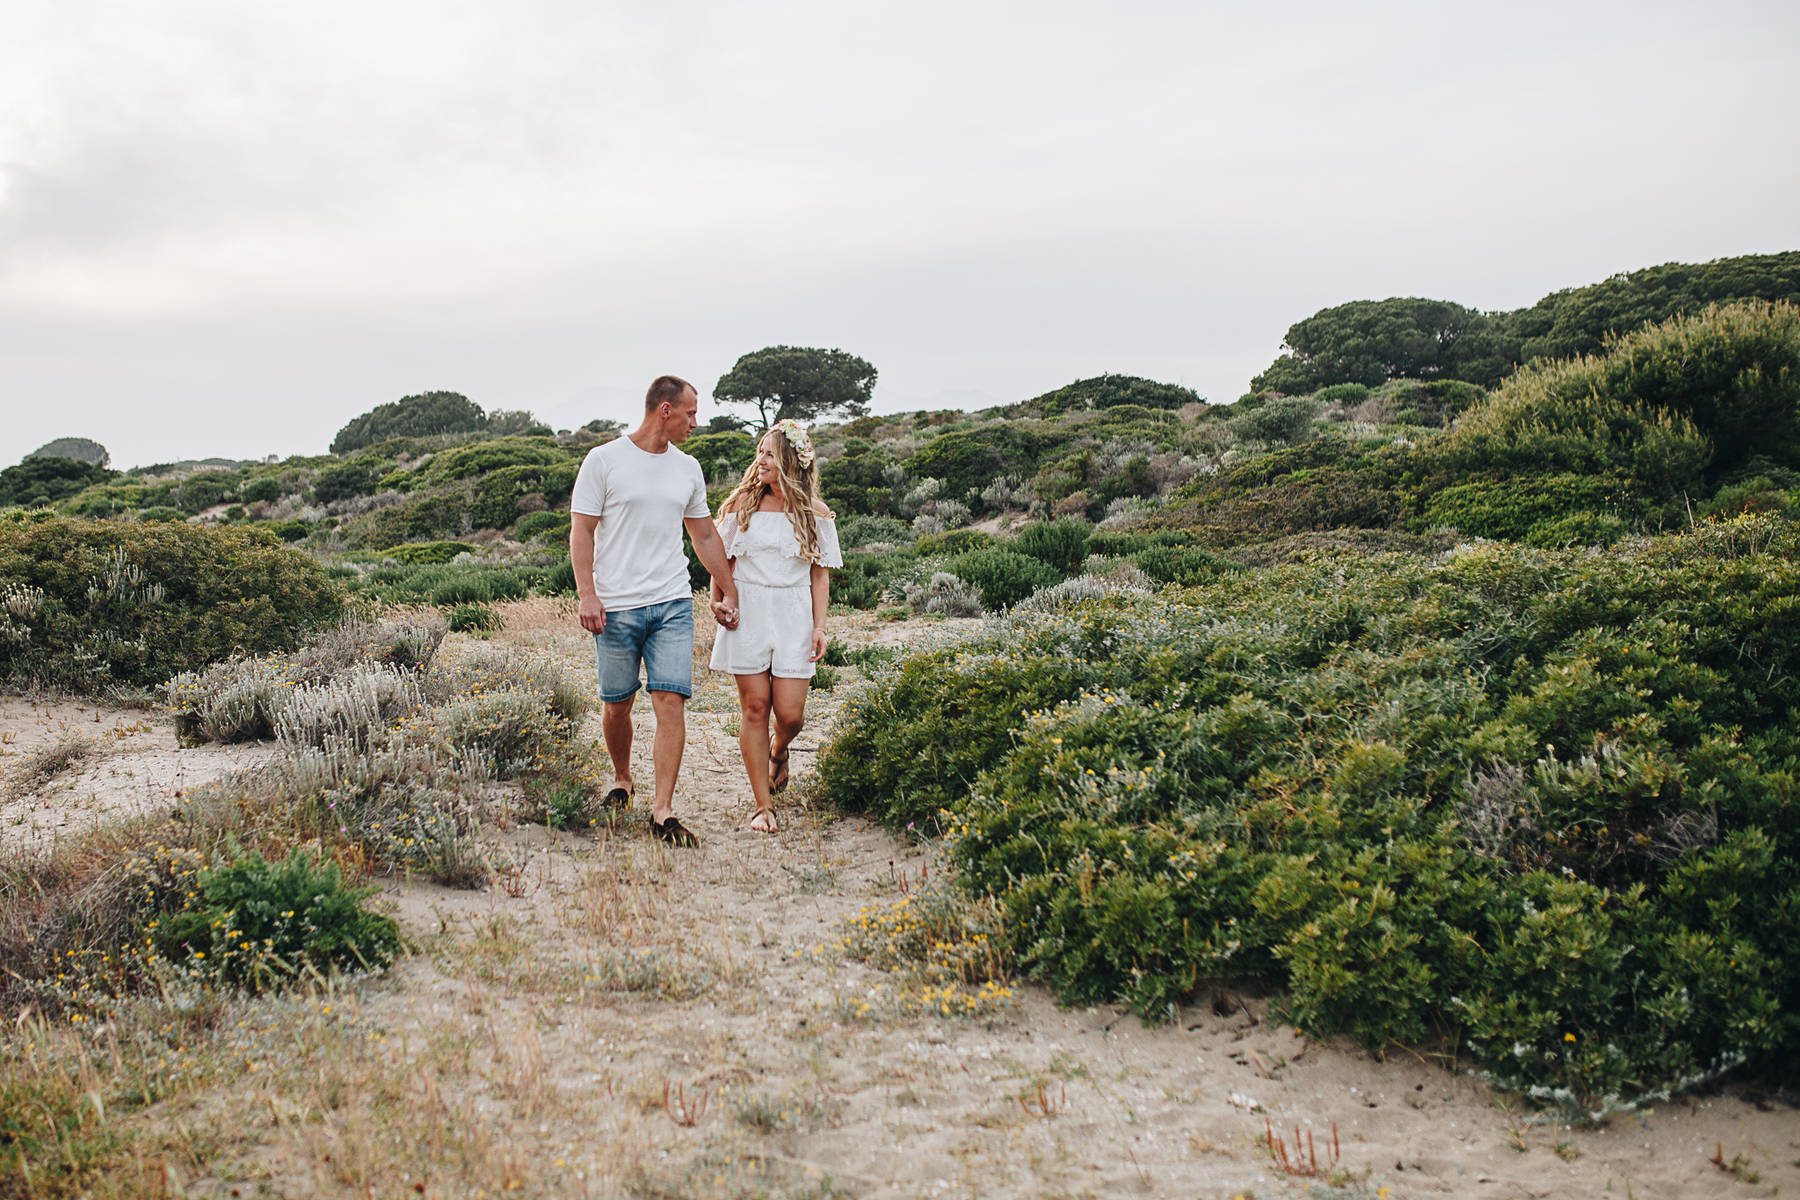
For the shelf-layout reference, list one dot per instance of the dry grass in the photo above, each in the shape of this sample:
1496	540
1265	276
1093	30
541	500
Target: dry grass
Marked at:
39	766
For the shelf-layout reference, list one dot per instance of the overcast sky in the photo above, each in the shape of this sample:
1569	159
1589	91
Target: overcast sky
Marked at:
227	228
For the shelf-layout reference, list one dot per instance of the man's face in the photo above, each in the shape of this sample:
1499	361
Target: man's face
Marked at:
682	417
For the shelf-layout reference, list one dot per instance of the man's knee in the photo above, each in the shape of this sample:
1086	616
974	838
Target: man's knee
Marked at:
670	703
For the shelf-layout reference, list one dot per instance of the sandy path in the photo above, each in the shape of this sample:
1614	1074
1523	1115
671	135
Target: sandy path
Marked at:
130	763
527	1048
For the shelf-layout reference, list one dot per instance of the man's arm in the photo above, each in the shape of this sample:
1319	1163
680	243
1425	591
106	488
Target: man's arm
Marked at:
581	558
710	550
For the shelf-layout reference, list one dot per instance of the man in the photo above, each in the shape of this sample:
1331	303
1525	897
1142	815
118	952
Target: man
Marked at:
631	499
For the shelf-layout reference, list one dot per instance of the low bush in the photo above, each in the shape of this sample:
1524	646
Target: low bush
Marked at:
257	924
474	618
1062	544
1538	803
420	553
1003	576
1513	508
549	527
954	541
856	532
90	605
1664	406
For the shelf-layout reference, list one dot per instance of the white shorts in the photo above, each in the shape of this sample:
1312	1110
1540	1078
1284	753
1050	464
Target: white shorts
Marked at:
774	634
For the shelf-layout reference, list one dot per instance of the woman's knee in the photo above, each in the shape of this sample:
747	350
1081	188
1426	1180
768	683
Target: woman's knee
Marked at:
755	708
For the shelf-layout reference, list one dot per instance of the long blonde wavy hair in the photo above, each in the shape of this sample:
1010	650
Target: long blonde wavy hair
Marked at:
797	486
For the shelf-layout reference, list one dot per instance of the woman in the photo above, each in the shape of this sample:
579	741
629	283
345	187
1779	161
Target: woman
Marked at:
781	539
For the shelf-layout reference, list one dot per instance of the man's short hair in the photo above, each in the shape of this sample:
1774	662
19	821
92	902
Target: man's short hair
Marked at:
670	388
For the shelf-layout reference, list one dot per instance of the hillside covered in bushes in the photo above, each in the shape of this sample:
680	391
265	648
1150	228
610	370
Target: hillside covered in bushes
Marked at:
1458	709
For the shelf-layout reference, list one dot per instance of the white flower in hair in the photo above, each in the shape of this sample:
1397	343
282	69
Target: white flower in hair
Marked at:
798	438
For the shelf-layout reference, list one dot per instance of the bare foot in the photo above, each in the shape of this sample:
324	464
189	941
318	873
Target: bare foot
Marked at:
764	821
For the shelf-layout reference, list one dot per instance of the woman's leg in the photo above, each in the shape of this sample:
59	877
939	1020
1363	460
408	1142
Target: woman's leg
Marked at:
787	700
753	734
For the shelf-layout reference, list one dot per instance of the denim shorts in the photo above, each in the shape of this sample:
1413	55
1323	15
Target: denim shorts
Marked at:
658	636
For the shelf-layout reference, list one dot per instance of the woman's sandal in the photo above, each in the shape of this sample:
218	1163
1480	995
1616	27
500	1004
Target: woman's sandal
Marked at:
778	779
617	794
764	821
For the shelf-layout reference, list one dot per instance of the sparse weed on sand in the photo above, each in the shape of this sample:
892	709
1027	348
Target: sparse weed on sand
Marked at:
946	948
35	768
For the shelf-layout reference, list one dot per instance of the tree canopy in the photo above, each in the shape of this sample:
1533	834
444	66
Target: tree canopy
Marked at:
79	448
413	416
783	382
1109	391
42	479
1577	321
1373	341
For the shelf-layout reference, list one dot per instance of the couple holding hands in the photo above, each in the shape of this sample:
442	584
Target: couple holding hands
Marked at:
768	556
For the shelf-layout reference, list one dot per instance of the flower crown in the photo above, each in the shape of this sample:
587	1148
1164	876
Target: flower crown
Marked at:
798	438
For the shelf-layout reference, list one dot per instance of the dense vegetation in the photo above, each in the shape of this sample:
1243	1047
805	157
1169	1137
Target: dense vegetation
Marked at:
1372	341
1542	803
89	605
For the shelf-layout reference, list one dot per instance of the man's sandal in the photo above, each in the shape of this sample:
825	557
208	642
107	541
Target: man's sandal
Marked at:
778	770
765	821
617	794
673	832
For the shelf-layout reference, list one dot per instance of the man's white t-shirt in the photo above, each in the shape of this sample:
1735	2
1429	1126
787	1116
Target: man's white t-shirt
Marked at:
641	499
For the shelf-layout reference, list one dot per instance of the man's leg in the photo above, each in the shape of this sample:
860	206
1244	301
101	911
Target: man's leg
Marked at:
669	677
615	727
671	738
618	650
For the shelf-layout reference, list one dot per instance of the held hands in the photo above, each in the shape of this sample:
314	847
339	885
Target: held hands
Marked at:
818	645
592	614
725	612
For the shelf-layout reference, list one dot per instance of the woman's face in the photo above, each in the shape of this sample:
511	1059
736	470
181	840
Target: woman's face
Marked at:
765	461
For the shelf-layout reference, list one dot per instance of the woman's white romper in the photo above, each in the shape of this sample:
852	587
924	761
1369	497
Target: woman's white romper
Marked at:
774	584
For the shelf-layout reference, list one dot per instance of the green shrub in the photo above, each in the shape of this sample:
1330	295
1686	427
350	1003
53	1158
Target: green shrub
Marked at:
864	579
164	512
1537	801
287	531
1004	576
1512	508
967	460
723	456
358	476
952	541
1062	544
256	924
1577	529
1662	406
1283	419
550	527
430	552
96	604
1182	564
474	618
855	532
1342	393
1106	391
